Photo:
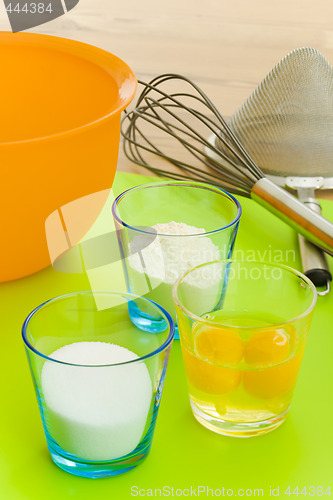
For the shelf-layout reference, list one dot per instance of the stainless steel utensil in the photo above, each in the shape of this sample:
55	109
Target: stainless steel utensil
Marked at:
286	125
188	117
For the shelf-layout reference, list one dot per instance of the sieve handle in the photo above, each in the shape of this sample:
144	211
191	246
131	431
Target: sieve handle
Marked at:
284	205
314	260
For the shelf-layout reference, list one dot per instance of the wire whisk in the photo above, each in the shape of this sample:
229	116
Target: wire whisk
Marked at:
183	121
159	109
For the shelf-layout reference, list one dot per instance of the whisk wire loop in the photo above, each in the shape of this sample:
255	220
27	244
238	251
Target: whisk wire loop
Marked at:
196	151
190	169
162	114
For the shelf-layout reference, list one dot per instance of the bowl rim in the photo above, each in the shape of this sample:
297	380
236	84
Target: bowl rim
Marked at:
101	58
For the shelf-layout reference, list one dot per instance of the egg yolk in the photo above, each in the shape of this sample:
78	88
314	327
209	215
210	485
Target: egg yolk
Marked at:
206	377
220	346
274	381
267	347
274	375
212	356
213	347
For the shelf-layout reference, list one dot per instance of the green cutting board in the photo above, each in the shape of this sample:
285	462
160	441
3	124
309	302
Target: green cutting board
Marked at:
184	454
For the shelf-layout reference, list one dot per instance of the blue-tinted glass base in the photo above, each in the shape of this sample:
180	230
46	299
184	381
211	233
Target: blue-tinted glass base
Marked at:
96	470
146	322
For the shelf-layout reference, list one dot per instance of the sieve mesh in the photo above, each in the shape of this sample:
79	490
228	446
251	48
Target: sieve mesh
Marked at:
286	124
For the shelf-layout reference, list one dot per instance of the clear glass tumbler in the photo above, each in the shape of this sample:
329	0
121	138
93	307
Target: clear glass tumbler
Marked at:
242	342
167	228
98	379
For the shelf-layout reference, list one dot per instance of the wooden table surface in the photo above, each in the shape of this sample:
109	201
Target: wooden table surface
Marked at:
227	47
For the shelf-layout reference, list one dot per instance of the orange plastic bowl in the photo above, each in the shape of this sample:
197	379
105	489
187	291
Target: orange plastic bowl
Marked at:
61	102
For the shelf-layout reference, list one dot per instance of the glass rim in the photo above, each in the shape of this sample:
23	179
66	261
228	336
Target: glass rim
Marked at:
202	185
291	270
161	348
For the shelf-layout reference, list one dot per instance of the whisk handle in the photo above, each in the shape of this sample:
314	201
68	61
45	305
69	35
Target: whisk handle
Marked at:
315	265
314	260
284	205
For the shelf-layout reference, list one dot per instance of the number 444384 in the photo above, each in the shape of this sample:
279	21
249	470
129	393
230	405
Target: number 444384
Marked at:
312	491
29	8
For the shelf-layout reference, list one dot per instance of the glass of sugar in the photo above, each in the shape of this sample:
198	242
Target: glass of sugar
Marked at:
98	378
167	228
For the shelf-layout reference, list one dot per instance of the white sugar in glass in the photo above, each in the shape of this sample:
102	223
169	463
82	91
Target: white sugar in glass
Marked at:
98	378
96	413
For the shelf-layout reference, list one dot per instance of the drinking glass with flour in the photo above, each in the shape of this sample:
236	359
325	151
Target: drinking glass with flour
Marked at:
167	228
